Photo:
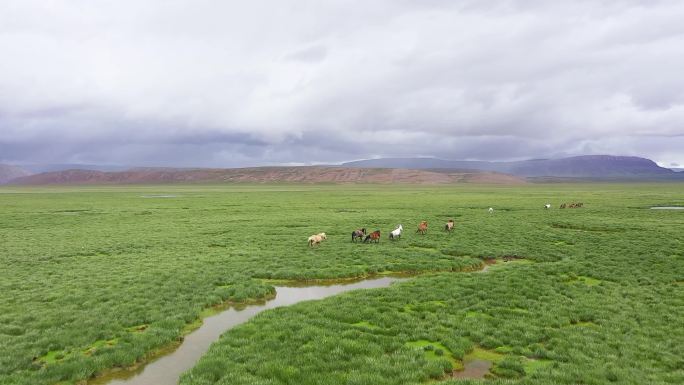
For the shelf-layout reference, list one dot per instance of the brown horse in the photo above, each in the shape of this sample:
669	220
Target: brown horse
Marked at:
358	234
449	226
373	237
422	227
563	205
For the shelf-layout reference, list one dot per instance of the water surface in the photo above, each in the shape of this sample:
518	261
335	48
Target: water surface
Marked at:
473	369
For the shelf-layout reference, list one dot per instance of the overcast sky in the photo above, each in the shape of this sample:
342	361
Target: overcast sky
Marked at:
235	83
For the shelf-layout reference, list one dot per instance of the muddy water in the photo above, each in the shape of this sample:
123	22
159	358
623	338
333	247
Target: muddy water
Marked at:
473	369
167	369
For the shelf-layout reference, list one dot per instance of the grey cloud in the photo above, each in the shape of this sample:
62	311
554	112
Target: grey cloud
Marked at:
232	83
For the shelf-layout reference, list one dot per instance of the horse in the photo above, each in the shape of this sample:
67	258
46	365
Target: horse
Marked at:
374	236
449	226
491	210
547	206
563	206
396	233
316	239
358	234
422	227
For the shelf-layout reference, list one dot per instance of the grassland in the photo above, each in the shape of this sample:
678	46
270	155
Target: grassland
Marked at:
94	278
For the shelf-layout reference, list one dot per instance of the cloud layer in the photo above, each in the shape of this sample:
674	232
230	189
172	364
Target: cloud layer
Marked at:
222	83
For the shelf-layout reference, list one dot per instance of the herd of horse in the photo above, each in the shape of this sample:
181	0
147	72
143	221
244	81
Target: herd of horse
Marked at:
361	235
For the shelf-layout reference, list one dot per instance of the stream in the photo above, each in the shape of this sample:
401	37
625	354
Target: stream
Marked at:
166	369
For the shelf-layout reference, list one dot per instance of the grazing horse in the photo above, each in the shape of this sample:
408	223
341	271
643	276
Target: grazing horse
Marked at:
396	233
491	210
547	206
422	227
449	226
360	233
563	206
374	236
316	239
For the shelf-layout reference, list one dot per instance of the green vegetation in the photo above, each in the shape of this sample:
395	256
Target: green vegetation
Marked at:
102	277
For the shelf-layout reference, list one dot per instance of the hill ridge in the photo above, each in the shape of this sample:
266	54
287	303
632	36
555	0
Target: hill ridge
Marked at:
299	174
9	172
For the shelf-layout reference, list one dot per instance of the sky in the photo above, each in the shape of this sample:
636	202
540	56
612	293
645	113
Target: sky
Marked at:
244	83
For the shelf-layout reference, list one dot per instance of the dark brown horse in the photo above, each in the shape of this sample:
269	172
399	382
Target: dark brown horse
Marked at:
422	227
373	237
358	234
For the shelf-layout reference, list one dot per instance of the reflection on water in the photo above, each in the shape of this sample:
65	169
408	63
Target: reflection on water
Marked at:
668	208
473	369
167	368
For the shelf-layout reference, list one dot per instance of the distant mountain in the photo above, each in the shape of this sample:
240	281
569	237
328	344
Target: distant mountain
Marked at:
267	175
8	173
588	166
37	168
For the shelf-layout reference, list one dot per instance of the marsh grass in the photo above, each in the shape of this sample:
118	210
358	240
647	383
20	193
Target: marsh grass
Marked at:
87	265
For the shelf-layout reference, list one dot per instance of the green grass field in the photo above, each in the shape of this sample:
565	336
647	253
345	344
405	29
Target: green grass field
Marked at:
95	278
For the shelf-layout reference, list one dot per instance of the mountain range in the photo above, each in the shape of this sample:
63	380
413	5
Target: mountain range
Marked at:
308	174
588	166
383	170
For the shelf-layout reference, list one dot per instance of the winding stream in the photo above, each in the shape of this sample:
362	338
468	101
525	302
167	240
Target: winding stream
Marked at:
166	369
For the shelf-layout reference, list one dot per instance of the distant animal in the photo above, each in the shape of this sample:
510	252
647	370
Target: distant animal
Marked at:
373	237
491	210
316	239
449	226
422	227
572	205
360	233
547	206
396	233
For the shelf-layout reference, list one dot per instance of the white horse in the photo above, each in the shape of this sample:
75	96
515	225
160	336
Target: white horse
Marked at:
396	233
491	210
547	206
